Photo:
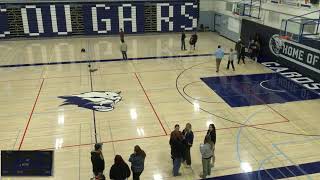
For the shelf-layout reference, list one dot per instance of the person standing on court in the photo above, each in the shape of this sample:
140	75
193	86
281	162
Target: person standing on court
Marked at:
119	170
183	43
232	57
219	56
242	52
237	47
123	49
97	160
121	33
194	40
176	129
188	139
177	151
206	153
211	134
137	162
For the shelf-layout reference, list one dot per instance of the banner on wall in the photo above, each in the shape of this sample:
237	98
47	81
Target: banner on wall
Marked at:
299	54
297	61
96	18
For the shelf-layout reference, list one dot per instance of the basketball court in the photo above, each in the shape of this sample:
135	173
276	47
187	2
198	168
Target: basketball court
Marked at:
45	94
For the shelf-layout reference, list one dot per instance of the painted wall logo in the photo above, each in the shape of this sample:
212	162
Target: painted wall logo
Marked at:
102	101
294	76
297	53
275	44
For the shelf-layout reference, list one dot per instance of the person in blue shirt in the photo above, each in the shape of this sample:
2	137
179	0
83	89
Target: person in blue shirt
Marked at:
137	162
219	56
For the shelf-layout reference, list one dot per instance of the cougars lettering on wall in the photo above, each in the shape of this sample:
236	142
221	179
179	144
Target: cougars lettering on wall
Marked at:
95	18
294	76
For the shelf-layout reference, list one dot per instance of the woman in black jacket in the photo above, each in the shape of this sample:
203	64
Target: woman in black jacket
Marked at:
211	133
120	169
188	140
97	160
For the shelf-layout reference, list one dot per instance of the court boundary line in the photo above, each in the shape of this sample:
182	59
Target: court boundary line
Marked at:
156	136
153	109
30	116
104	60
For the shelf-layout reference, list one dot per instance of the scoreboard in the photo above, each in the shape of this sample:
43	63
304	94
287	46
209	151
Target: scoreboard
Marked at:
52	19
27	163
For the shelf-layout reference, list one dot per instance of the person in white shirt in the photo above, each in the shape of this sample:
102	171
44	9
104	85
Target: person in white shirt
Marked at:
123	49
232	57
206	153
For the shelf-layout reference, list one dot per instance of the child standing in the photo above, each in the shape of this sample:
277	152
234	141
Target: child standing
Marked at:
232	57
206	153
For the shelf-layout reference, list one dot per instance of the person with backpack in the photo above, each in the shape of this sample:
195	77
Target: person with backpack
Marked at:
206	154
97	160
188	139
119	170
211	135
137	162
193	41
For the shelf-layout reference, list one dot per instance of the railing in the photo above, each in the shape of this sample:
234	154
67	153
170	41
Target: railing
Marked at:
303	27
250	8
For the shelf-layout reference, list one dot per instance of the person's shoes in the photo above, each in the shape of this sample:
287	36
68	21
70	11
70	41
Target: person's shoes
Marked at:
217	71
233	69
179	174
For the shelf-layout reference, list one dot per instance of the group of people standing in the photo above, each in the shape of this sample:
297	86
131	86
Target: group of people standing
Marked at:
193	41
181	143
120	169
238	52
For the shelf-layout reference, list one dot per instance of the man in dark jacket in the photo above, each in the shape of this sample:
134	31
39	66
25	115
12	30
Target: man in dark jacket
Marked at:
97	160
241	51
121	33
177	151
183	43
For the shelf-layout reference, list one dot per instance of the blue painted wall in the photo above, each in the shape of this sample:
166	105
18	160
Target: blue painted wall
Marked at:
97	18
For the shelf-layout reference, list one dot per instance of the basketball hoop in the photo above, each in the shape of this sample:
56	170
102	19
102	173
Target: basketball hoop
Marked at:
286	37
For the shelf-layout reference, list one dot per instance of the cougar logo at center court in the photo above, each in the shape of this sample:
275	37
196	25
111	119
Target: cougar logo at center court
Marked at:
102	101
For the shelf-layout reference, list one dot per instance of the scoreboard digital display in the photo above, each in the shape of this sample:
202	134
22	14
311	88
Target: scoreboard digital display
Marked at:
27	163
50	19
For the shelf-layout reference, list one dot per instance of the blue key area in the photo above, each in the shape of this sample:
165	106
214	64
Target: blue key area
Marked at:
275	173
257	89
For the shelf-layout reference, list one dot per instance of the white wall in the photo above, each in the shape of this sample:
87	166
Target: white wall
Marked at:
209	5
